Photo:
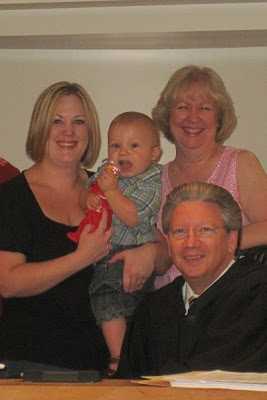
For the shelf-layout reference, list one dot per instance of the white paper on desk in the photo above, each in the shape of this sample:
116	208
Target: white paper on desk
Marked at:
216	379
220	379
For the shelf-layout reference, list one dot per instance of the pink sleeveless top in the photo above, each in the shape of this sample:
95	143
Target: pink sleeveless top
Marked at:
223	175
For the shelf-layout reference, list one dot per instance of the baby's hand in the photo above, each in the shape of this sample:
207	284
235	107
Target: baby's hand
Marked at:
93	201
107	181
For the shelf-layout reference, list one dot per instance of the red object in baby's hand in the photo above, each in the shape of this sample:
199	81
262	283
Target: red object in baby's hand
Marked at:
93	217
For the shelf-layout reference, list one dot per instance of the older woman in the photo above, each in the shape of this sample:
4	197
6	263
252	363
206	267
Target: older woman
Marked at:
47	318
196	114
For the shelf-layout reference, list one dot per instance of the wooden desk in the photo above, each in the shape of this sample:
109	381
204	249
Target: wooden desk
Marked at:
115	390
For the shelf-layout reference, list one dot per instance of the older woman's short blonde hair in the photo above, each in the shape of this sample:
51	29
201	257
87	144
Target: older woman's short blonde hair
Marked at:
43	115
212	86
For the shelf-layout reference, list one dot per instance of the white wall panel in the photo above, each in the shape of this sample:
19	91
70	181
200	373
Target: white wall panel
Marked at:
42	42
120	80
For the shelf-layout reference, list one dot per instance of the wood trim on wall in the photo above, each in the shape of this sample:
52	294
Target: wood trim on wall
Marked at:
114	24
173	40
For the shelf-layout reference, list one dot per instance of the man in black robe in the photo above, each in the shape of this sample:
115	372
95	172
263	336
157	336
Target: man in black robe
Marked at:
214	316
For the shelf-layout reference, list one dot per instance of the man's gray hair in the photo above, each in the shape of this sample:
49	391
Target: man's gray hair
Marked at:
207	192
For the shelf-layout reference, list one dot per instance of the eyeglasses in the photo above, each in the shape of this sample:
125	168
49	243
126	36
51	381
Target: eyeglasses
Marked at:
202	232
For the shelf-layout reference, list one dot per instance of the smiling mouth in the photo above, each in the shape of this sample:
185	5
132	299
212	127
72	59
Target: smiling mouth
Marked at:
66	144
193	131
193	258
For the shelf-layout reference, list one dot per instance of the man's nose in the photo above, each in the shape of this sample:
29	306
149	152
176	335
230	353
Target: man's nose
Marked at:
191	239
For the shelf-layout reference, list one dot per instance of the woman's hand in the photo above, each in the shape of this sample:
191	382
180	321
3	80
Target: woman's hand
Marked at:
141	262
138	266
94	246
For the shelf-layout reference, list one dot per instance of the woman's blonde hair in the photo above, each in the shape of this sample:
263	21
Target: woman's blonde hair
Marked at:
212	86
43	115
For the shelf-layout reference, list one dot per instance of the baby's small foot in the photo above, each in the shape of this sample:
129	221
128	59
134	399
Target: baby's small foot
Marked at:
113	366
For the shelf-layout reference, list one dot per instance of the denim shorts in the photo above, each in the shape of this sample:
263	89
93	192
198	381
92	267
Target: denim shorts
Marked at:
108	298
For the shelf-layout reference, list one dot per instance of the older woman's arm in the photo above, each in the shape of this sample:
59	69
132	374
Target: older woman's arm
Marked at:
252	186
143	261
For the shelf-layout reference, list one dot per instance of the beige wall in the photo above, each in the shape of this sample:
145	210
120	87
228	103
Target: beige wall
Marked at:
126	79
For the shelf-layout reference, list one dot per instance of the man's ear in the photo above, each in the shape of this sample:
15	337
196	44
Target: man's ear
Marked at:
168	243
232	241
156	154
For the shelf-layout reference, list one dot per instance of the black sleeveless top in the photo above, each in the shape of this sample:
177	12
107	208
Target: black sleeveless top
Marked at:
58	326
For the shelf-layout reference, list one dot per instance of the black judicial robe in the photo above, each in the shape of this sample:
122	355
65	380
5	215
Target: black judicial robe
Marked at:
226	327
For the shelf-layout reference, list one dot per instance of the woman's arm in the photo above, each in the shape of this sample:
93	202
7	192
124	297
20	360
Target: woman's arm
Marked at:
252	187
19	278
142	262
